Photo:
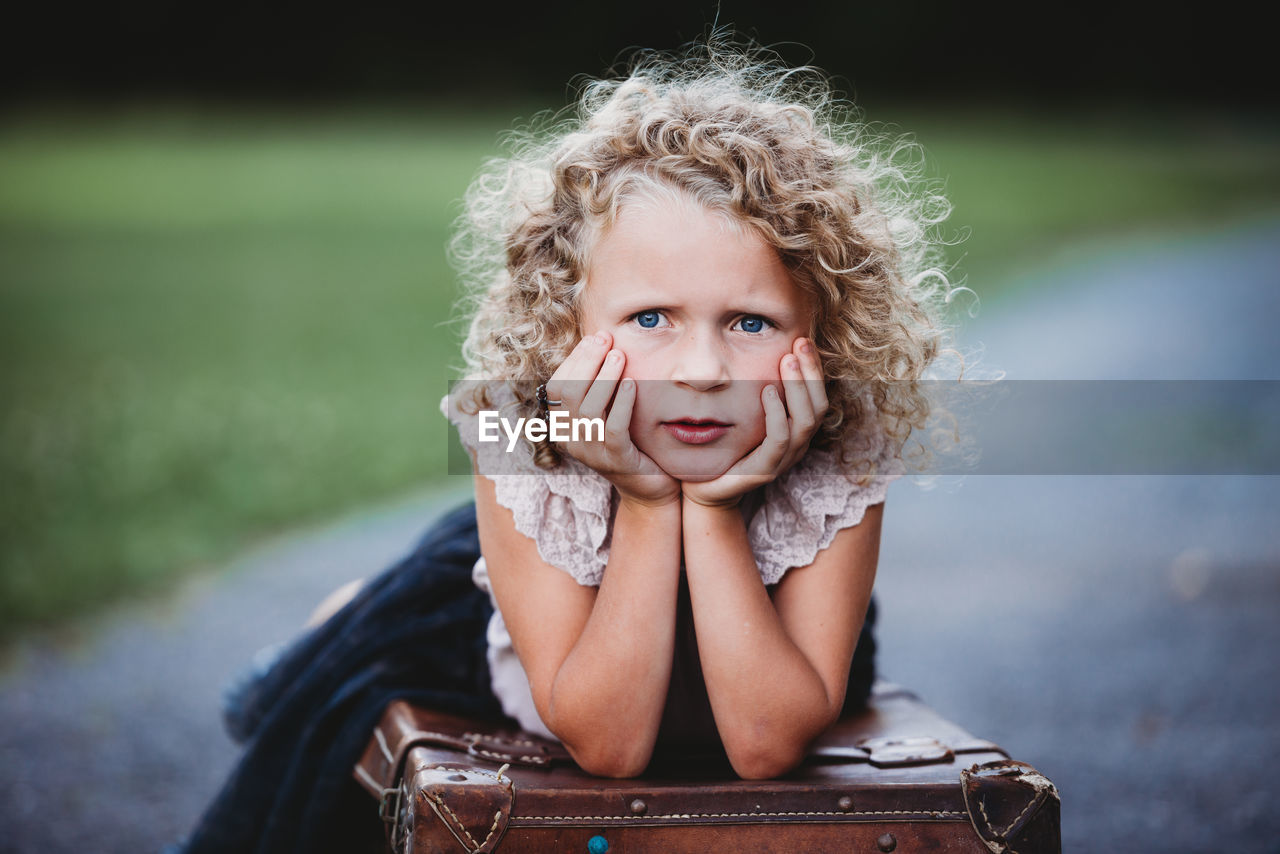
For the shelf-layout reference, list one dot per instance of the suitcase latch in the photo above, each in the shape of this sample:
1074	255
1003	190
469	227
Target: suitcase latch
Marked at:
891	752
389	805
391	811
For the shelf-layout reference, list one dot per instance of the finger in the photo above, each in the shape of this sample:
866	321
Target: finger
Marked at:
777	435
799	403
596	401
764	463
617	427
815	381
571	380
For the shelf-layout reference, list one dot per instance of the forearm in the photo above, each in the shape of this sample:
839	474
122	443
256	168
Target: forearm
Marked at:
768	699
607	698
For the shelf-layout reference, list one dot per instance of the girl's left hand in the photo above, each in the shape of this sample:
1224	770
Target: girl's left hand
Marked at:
788	430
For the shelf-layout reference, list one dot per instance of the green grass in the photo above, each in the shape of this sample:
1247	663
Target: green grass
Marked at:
1035	189
217	324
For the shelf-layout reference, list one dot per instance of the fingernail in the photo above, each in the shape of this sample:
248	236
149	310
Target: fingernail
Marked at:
614	357
792	363
806	347
771	391
599	336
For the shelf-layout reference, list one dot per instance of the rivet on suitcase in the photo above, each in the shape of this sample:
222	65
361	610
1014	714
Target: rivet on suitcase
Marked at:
897	777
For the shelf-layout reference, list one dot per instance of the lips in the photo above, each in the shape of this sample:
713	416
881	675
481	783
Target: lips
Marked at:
696	431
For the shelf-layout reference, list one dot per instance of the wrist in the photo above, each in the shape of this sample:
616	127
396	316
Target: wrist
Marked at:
647	491
649	505
692	503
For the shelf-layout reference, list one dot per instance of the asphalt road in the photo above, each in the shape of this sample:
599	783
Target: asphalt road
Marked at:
1122	633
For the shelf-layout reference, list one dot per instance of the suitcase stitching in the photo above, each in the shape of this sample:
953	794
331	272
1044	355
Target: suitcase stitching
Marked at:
1002	836
471	841
1031	803
986	819
497	817
443	806
493	828
1003	841
536	760
517	819
934	813
509	757
478	736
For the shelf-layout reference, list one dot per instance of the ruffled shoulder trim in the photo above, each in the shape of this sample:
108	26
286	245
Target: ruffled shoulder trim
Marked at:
566	511
802	511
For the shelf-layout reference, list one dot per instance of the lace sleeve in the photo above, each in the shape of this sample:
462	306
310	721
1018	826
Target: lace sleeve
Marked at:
566	511
803	510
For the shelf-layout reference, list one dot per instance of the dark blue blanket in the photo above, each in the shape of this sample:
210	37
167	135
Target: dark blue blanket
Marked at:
415	632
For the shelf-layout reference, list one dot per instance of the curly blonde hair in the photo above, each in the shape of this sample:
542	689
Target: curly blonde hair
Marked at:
847	211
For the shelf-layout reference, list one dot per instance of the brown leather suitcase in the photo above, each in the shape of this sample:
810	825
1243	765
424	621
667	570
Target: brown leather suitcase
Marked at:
896	778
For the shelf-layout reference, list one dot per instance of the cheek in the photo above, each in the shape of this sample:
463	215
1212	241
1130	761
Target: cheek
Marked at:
757	431
640	366
764	367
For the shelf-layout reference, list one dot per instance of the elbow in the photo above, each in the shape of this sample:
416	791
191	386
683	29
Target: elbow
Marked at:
765	762
605	753
765	755
764	752
610	760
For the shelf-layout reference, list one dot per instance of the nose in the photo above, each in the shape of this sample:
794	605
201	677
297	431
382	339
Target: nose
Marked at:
701	362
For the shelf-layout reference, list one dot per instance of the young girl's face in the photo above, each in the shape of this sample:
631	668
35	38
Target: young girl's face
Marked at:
704	311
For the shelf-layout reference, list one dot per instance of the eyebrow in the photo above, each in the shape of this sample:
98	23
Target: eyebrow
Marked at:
764	308
632	304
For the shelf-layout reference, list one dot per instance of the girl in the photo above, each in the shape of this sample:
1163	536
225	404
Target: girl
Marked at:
735	289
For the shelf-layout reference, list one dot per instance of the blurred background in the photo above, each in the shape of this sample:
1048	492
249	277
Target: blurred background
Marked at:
225	307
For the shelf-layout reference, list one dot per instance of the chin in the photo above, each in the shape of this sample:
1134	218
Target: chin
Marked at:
695	466
698	477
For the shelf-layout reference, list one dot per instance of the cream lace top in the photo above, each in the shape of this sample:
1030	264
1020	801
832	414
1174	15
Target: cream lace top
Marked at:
567	512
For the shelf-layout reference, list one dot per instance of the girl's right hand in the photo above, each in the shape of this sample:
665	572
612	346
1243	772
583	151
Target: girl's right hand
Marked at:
584	384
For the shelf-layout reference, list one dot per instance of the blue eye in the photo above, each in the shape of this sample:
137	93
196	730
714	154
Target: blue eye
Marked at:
752	323
648	319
